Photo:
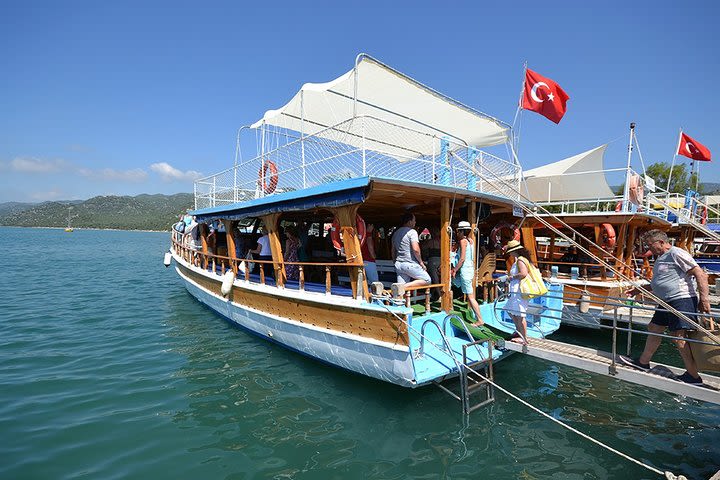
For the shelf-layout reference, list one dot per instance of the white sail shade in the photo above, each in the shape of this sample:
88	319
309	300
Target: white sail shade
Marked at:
388	95
580	177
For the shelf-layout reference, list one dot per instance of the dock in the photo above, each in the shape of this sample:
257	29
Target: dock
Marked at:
598	361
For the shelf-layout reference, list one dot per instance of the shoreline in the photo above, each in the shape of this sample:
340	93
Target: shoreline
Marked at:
92	228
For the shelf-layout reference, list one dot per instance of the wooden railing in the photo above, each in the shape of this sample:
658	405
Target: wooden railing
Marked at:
211	262
426	289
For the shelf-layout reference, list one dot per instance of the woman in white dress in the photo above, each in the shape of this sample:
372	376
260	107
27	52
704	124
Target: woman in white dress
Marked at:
516	305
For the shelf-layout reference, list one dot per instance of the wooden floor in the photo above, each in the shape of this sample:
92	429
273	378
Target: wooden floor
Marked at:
597	361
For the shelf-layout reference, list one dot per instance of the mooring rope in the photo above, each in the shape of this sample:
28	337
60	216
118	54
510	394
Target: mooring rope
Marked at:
666	474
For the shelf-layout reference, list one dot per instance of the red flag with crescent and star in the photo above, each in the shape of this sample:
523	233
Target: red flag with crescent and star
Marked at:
544	96
693	149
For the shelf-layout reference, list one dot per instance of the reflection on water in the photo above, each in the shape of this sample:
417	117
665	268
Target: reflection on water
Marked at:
115	371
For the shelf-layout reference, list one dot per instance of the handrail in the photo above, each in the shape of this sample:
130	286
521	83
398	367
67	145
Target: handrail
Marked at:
211	261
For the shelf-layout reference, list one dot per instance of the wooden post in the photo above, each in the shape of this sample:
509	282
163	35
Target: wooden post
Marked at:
600	252
346	217
270	222
620	247
446	299
203	239
629	250
229	226
528	238
551	258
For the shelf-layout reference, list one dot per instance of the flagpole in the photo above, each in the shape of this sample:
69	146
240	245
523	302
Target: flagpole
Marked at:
673	159
626	204
518	113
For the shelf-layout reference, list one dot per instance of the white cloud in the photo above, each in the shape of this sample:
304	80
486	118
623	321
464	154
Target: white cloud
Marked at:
48	196
35	165
168	173
110	174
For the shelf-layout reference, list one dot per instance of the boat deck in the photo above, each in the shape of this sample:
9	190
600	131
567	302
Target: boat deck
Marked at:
598	361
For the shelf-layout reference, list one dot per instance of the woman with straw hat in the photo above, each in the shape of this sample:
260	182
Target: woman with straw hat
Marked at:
464	272
516	305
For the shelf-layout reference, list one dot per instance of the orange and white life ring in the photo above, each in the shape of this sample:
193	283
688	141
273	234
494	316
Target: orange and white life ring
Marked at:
268	182
635	190
703	218
496	233
618	207
335	232
608	237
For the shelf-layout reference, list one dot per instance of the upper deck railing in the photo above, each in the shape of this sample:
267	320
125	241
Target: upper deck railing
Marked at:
676	208
349	150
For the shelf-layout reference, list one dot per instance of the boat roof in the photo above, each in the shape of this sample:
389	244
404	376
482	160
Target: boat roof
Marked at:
381	199
372	88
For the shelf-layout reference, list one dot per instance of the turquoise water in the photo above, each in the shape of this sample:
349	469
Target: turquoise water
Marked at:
109	369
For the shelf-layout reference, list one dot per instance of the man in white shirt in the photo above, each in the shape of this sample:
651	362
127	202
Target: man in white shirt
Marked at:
263	252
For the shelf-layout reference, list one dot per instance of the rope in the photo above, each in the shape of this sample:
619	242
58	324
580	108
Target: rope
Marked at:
533	408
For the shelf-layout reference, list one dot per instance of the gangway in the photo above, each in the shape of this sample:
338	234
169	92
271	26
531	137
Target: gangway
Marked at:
598	361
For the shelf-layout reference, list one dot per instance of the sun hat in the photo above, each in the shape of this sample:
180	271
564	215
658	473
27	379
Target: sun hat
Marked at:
464	226
513	245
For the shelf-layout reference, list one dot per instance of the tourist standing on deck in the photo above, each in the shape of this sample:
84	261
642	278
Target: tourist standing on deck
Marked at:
672	282
264	253
292	245
409	266
367	249
464	272
517	305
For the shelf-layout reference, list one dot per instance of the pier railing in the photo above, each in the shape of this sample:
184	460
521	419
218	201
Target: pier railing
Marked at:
350	149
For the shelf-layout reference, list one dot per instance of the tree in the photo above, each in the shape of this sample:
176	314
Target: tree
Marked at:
681	179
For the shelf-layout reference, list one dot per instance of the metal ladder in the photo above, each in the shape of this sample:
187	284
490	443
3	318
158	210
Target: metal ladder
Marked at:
470	382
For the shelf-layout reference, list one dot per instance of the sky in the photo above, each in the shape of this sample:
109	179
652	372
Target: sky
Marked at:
123	98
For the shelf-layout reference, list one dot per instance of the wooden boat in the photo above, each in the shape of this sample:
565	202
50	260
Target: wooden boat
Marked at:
575	190
326	181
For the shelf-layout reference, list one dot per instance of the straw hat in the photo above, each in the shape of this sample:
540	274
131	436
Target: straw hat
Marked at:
512	246
464	226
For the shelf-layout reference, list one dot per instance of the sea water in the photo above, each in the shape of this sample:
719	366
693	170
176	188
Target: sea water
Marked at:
110	369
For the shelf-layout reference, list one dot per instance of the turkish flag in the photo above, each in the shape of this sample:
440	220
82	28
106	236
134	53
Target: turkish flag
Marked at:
693	149
544	96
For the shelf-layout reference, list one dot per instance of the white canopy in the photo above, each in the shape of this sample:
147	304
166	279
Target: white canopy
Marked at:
579	177
386	94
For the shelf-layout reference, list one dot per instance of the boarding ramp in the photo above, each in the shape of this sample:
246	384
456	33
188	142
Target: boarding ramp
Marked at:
604	363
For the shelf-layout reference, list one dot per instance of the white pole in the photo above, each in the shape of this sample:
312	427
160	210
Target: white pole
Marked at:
302	134
673	159
518	115
626	203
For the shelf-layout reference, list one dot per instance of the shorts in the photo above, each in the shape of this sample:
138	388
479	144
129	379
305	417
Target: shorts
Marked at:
672	321
409	271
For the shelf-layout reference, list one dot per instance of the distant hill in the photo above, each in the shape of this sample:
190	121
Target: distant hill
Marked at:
142	212
711	188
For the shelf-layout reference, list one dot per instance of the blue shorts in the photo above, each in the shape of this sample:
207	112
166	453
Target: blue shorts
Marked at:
409	271
672	321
